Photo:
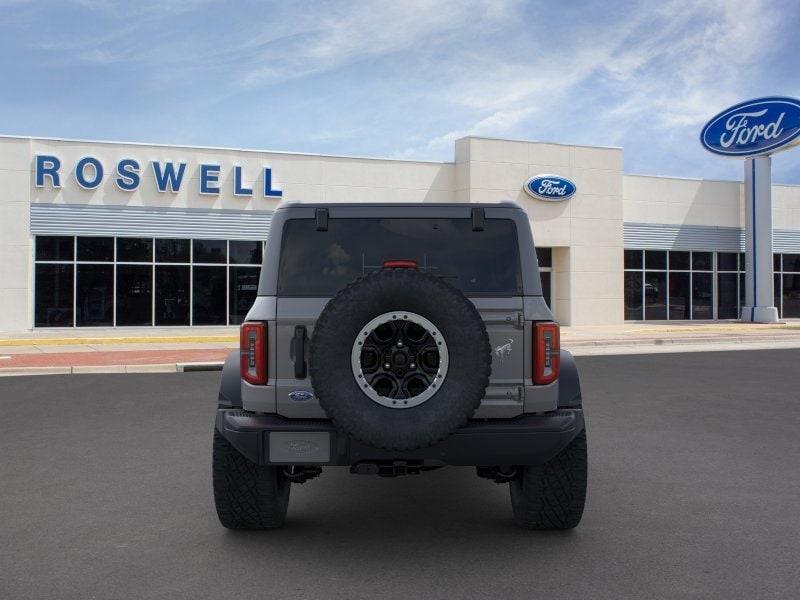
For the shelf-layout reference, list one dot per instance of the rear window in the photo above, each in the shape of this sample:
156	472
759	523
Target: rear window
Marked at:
319	263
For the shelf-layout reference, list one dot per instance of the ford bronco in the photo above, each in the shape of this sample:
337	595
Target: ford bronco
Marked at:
394	339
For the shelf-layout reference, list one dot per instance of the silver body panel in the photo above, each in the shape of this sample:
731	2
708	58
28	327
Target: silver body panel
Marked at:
508	322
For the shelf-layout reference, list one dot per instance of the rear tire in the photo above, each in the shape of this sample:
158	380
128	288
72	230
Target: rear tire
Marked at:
552	495
246	495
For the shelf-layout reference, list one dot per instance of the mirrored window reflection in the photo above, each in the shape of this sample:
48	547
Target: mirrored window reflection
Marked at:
53	295
633	259
679	261
655	259
96	249
655	296
695	280
741	290
702	296
55	247
208	295
546	287
172	295
209	251
245	252
94	299
134	250
134	295
791	296
727	261
243	292
791	263
679	296
776	291
633	296
172	251
702	261
545	257
727	295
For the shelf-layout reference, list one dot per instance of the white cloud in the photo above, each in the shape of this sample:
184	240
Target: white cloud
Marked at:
357	31
671	65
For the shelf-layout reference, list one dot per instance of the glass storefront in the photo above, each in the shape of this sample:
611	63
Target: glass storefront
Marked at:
104	281
662	285
677	285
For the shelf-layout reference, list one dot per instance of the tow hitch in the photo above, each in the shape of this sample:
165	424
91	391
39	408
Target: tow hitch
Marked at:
395	468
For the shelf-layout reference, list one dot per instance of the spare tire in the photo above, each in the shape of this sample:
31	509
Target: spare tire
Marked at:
399	359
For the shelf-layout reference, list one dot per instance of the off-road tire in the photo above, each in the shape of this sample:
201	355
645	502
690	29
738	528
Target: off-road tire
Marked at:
247	496
338	328
552	495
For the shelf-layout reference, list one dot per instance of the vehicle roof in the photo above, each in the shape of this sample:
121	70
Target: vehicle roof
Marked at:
503	204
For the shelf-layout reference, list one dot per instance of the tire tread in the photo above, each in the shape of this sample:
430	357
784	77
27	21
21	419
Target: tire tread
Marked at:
247	495
552	495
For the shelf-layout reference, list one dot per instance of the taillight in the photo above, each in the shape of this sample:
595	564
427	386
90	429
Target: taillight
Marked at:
399	263
253	352
546	352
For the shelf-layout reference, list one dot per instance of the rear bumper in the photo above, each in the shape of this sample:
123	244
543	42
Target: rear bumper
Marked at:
525	440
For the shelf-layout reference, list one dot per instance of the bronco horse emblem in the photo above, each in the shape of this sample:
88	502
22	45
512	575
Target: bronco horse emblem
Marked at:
503	351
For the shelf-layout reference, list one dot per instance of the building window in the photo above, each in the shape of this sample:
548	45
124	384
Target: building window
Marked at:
679	285
729	277
105	281
545	258
634	309
134	295
96	249
172	294
209	251
787	285
208	293
53	295
94	295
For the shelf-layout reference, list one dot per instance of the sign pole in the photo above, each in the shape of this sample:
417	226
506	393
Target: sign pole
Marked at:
759	296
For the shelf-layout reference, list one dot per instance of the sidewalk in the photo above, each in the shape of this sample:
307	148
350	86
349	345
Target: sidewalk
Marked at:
652	338
145	350
135	350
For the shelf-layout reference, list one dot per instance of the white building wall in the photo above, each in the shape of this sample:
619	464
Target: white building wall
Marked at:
700	202
585	231
16	259
302	178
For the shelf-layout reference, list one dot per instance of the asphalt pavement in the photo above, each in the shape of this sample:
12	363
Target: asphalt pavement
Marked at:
694	492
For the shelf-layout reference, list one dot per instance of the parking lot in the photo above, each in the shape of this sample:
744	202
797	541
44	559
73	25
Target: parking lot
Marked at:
105	492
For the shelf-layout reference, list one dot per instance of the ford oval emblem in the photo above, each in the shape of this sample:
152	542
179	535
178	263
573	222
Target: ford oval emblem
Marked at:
550	187
754	127
300	395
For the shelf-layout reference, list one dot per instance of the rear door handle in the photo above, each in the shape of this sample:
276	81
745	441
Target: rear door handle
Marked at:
299	349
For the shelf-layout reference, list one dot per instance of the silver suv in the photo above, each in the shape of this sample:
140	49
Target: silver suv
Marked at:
395	339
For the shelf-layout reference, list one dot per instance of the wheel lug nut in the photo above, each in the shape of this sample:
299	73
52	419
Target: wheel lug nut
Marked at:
386	365
400	344
412	366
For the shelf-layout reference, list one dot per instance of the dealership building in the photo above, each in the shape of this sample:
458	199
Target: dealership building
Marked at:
107	234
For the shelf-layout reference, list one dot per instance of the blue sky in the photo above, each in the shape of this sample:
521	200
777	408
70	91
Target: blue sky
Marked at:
399	79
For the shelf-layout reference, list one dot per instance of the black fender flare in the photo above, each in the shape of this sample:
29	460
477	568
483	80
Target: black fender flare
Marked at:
569	383
230	387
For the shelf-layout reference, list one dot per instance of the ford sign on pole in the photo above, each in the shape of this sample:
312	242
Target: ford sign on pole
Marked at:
755	127
754	130
550	187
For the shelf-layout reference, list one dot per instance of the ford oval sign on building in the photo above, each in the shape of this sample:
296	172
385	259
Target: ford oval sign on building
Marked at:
550	187
752	128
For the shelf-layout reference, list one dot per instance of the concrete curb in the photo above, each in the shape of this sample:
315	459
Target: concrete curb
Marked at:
183	367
